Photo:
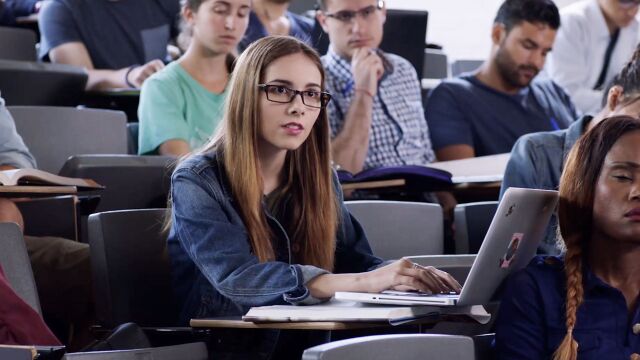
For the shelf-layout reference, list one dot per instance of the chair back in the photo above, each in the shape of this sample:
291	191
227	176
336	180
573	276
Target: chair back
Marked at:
17	44
43	84
471	223
16	265
192	351
484	346
400	228
53	134
131	270
392	347
133	132
462	66
436	65
131	181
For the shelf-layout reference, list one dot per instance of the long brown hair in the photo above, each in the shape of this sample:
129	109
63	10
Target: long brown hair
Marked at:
575	212
307	171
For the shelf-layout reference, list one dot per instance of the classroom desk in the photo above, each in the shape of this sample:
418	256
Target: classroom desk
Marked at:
125	100
29	191
238	323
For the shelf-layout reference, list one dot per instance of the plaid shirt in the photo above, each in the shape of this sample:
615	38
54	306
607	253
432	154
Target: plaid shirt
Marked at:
399	133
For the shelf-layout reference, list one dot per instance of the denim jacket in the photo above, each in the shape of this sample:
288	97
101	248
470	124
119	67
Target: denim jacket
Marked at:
214	270
536	162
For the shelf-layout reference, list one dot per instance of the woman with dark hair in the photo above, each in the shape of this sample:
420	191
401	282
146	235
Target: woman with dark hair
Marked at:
584	305
537	159
258	217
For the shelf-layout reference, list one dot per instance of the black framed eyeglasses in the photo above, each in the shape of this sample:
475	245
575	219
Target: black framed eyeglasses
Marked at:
347	16
282	94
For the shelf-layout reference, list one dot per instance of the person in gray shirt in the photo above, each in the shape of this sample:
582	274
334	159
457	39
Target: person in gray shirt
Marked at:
13	151
537	159
61	267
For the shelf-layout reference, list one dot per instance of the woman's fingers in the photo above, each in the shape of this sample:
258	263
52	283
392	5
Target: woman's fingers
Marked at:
433	279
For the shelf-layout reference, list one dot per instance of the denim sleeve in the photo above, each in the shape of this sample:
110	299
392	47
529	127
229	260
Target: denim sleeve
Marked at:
353	252
520	325
521	168
447	122
220	248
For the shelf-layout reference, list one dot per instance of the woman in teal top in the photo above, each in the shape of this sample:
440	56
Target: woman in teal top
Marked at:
181	106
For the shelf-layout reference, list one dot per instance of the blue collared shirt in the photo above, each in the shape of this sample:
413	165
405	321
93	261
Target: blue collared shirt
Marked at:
531	321
399	132
536	162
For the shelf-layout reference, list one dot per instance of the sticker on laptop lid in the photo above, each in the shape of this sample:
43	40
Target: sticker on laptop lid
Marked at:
510	256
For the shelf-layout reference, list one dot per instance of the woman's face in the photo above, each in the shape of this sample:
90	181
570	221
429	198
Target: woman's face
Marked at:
616	207
219	25
282	125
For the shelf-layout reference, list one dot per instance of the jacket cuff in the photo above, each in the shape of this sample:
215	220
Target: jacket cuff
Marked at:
301	294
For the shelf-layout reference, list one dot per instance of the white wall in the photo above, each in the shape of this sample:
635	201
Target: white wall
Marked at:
462	27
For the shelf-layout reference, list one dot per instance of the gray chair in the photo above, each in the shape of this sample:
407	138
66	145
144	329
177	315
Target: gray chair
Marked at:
133	132
483	345
462	66
436	65
392	347
471	223
16	264
131	271
192	351
131	181
398	228
53	134
456	265
17	44
43	84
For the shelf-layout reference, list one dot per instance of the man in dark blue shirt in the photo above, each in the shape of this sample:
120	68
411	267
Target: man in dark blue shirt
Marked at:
120	42
485	112
12	9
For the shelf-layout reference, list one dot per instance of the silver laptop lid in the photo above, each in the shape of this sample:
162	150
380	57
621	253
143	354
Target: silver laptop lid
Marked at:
511	241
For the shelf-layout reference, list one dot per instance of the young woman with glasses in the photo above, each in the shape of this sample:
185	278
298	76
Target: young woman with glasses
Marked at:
258	217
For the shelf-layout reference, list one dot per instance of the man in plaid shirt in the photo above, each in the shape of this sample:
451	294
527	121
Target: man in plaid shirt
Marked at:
376	114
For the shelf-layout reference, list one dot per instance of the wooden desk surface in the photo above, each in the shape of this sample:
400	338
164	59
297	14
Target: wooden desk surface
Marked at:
311	325
36	191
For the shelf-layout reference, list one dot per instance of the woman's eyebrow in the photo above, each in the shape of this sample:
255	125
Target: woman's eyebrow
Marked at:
286	82
624	165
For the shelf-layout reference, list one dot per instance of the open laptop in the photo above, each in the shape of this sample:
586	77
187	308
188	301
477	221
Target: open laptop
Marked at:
511	242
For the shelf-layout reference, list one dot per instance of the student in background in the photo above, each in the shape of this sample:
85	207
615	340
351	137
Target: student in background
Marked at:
376	114
596	39
585	304
61	267
485	112
537	159
120	42
181	105
12	9
19	323
258	218
271	17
